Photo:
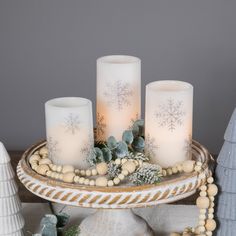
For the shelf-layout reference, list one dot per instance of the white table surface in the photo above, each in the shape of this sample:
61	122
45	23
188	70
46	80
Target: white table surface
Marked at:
163	218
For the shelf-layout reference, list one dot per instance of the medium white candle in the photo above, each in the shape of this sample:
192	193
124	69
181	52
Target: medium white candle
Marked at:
69	128
118	94
168	121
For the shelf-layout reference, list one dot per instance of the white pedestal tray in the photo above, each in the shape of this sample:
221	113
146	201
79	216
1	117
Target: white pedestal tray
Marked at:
114	217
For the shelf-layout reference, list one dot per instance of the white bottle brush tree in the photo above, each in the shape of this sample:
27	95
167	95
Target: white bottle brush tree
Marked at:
226	176
11	220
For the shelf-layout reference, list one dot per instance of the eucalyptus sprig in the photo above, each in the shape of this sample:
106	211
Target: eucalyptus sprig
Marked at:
132	142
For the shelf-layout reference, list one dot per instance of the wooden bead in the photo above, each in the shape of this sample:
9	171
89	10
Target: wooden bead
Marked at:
68	169
60	176
202	228
34	167
34	157
86	181
169	171
179	167
110	183
202	175
82	172
81	180
203	188
77	171
212	190
175	234
68	177
49	173
209	233
210	216
42	169
211	210
59	169
210	225
210	180
202	211
45	161
88	173
201	222
202	217
121	176
197	168
92	182
43	151
203	202
125	172
102	168
203	193
129	166
199	163
188	166
118	161
53	167
101	181
94	172
174	170
116	180
76	179
164	172
123	160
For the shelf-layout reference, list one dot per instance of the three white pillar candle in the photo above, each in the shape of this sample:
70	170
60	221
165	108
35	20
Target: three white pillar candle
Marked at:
118	94
69	128
168	122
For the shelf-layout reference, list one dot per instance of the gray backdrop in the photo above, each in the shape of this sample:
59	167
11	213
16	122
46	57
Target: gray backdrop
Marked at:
48	49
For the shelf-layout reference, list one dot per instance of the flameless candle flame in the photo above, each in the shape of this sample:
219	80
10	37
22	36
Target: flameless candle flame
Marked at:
168	121
69	127
118	94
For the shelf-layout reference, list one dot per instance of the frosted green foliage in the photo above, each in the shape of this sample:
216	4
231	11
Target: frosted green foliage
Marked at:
128	136
146	174
138	144
138	156
113	170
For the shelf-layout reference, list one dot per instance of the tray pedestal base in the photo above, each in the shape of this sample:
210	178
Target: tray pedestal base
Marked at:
114	222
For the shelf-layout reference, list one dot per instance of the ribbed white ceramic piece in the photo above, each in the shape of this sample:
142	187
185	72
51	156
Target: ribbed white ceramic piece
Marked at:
230	133
4	157
6	172
227	156
227	206
17	233
8	188
226	228
10	205
11	224
226	179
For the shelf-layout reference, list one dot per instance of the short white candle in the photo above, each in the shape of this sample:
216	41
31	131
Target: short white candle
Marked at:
168	121
118	94
69	127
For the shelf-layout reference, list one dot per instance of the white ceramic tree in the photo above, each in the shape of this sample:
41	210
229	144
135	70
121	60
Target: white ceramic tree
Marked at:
11	220
226	176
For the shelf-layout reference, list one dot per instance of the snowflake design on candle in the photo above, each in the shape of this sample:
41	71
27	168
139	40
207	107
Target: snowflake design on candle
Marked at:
52	146
87	149
118	94
101	126
188	146
170	114
150	145
72	123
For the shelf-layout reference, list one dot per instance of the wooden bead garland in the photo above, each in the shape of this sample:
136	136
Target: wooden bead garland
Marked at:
205	202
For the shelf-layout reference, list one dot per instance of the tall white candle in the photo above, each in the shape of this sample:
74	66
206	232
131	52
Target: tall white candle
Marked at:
118	94
69	128
168	121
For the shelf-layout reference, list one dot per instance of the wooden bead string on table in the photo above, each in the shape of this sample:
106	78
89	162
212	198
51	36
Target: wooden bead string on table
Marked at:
205	202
